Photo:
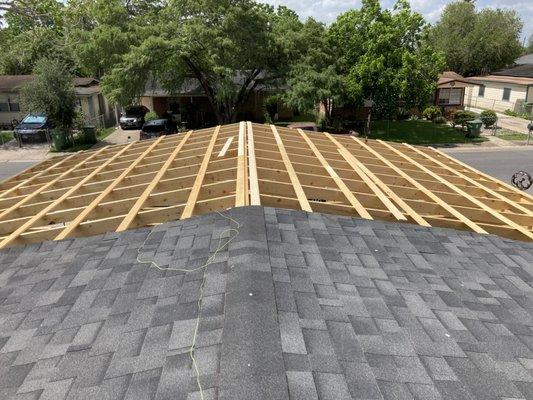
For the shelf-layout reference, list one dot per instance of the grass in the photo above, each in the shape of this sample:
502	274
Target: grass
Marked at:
510	135
6	136
419	132
100	135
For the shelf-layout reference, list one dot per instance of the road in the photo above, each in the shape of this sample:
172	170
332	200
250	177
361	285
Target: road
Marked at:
10	168
501	164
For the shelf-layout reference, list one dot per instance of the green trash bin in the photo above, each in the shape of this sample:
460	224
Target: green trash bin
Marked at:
60	140
474	127
89	134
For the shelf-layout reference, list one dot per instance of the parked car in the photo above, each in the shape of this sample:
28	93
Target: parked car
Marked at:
158	127
33	128
133	117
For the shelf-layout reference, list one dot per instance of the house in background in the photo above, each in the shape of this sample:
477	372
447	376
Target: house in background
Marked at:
191	106
89	97
508	89
450	93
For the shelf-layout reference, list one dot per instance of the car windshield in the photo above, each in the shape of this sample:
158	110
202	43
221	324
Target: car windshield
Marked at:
34	119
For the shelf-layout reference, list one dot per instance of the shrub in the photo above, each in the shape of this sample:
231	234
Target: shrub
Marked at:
511	113
322	123
439	120
462	117
403	115
488	117
432	112
150	116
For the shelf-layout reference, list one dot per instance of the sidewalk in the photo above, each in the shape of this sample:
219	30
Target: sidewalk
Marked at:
119	136
514	124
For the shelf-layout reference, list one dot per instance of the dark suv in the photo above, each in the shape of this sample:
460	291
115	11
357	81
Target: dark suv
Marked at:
133	117
158	127
33	128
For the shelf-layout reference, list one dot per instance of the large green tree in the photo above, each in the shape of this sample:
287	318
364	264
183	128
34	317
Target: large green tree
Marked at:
229	47
313	76
52	92
476	42
384	58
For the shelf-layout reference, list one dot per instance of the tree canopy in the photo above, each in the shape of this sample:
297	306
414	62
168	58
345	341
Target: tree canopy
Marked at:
476	42
384	57
52	93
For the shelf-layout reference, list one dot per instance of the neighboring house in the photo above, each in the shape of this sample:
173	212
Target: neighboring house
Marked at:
503	90
450	93
89	96
191	106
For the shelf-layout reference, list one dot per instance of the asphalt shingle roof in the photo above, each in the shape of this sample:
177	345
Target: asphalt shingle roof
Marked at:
306	306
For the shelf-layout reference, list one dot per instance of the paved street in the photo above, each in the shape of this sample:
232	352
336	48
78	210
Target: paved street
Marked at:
10	168
501	164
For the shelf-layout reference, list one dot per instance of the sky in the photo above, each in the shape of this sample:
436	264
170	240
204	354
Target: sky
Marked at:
327	10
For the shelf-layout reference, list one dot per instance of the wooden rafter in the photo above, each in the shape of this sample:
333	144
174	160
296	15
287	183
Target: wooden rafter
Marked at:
300	194
174	177
193	197
126	222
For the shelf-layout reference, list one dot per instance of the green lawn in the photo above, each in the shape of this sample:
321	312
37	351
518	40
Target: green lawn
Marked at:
100	134
419	132
6	136
510	135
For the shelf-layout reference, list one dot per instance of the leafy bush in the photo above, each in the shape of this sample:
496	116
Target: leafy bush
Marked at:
439	120
322	123
150	116
511	113
403	115
432	112
488	117
462	117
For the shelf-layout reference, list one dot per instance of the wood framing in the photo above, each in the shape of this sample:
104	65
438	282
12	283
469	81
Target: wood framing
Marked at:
179	176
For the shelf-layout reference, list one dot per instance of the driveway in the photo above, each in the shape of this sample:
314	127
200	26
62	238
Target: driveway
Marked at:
500	163
119	136
507	122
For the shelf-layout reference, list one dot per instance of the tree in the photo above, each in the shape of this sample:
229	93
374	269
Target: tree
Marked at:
477	42
529	47
384	58
52	92
33	30
313	78
228	46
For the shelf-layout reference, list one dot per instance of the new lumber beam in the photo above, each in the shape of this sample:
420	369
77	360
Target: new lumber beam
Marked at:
300	194
67	232
356	166
241	192
14	236
467	196
359	208
195	190
126	222
255	198
424	190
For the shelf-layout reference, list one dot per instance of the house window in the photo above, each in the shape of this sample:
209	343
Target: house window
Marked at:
481	91
506	94
450	97
14	107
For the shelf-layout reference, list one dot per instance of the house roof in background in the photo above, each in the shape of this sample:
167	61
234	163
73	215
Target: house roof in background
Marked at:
178	176
503	79
449	79
525	59
12	83
300	306
520	71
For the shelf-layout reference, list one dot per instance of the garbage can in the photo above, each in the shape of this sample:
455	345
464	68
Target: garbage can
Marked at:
474	127
59	140
89	134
